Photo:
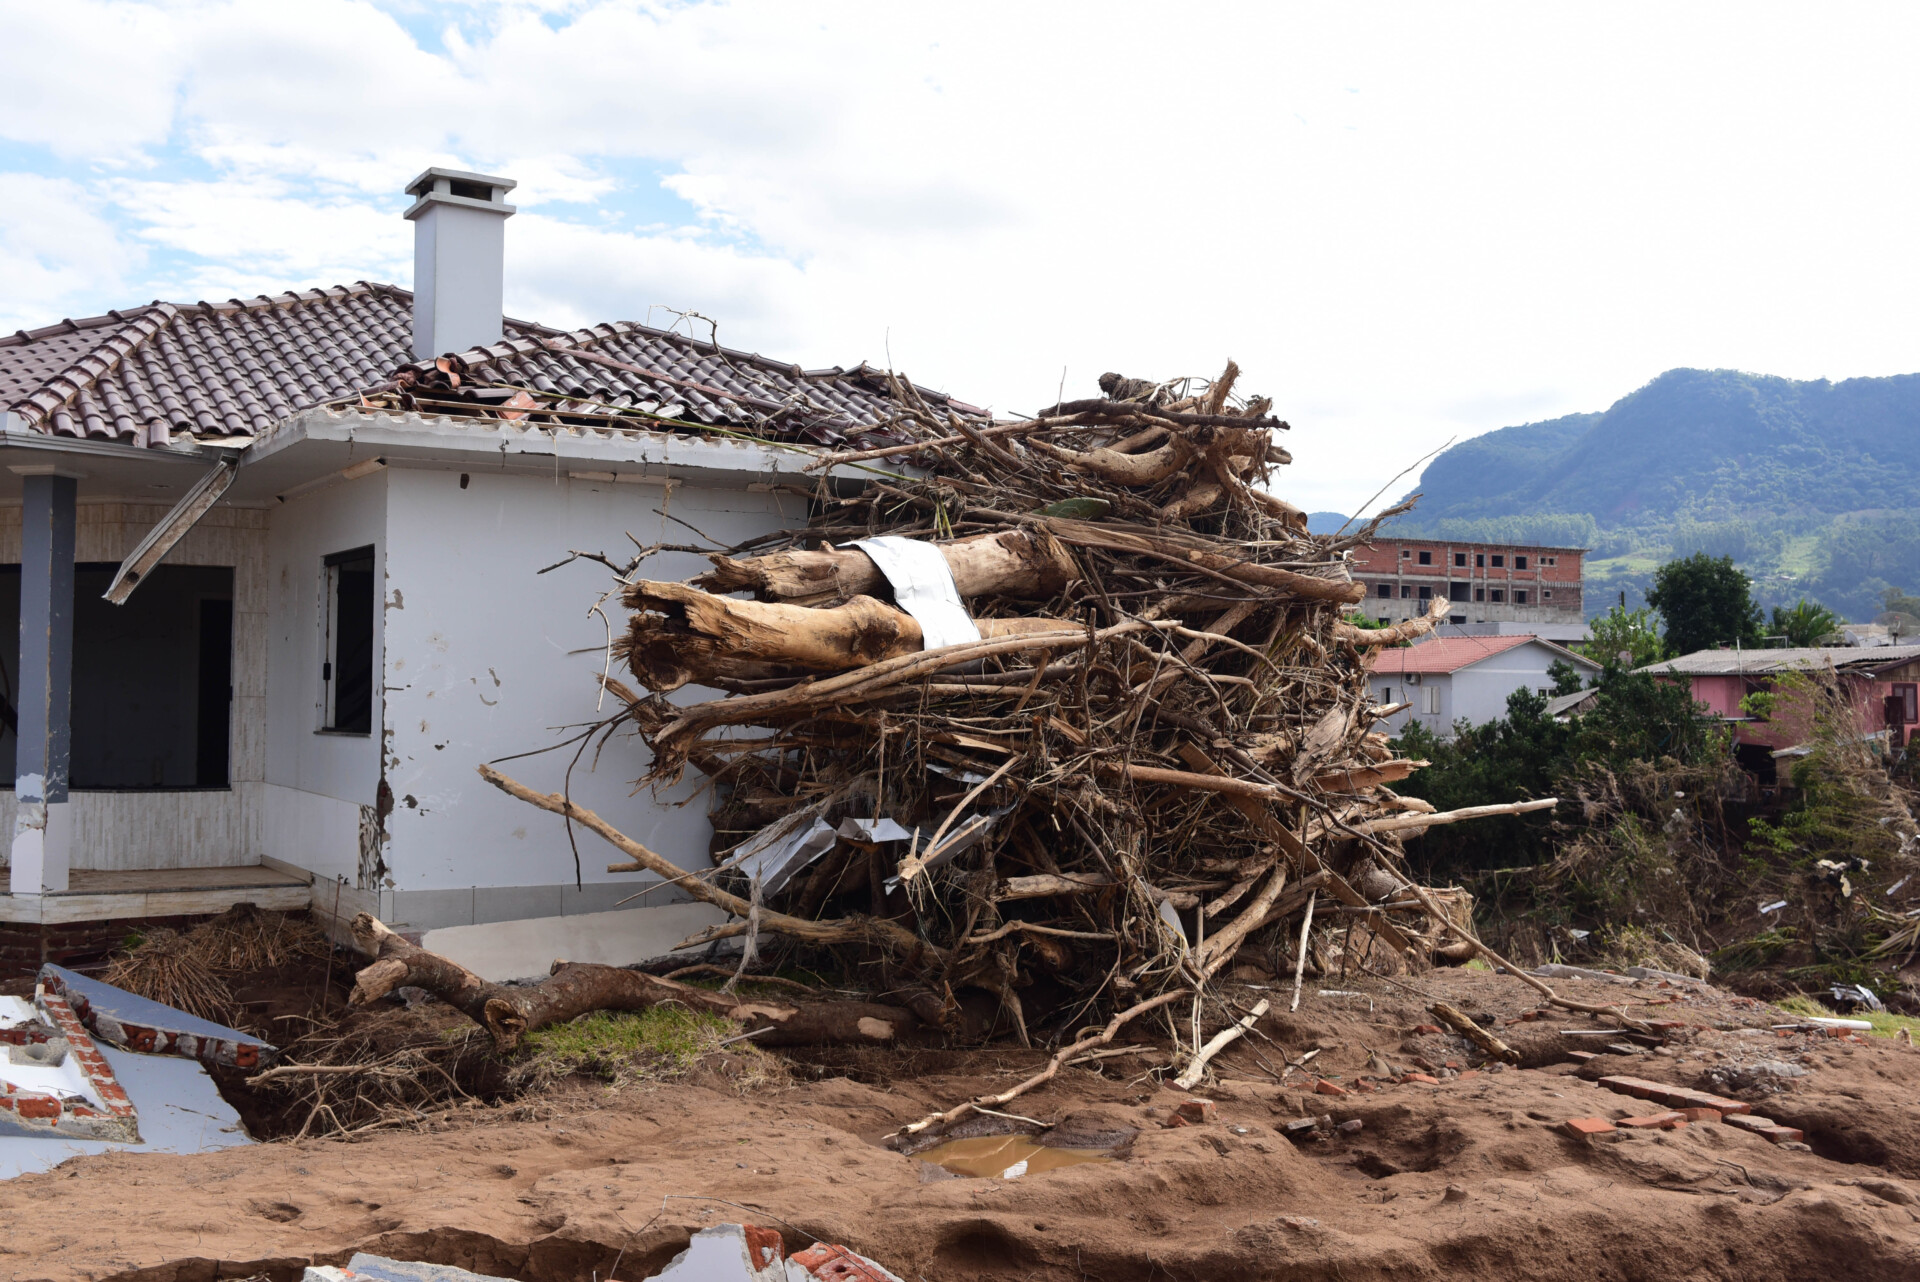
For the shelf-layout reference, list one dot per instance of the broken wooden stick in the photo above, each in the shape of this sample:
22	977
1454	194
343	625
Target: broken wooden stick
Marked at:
1494	1048
1197	1068
1421	822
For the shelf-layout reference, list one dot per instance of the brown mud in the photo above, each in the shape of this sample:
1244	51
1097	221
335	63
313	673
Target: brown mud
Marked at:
1470	1177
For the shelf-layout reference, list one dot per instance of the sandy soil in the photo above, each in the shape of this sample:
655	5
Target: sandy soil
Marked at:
1468	1178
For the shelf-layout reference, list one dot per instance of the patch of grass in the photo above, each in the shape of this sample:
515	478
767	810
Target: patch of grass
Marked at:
1475	964
1884	1024
619	1047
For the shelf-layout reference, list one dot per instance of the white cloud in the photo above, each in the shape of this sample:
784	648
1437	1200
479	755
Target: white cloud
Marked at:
1406	223
56	251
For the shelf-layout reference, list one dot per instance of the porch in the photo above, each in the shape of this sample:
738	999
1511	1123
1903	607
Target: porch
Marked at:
95	894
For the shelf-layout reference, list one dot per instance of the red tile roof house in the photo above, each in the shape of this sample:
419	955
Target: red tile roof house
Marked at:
350	614
1881	682
1451	679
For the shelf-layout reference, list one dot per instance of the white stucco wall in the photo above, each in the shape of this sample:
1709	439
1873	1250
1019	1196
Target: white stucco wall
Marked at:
316	783
1477	693
485	657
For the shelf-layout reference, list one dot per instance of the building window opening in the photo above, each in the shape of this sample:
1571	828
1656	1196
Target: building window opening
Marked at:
1499	594
1433	701
1479	594
1460	560
1456	618
346	668
1479	560
1405	553
1386	696
1426	558
1426	593
1549	560
1385	589
152	682
1406	589
1519	562
1546	594
1499	561
1519	596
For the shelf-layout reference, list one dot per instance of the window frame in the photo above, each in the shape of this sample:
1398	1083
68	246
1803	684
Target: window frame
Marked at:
1520	562
1499	560
333	565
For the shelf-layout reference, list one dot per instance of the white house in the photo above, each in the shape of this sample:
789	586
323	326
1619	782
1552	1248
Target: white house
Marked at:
1449	679
351	611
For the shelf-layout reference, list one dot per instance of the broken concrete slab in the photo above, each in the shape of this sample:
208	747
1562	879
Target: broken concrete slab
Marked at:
526	949
378	1268
127	1020
54	1080
725	1253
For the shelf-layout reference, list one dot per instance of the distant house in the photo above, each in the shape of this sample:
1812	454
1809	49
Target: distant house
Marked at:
1455	678
1507	589
1881	682
351	611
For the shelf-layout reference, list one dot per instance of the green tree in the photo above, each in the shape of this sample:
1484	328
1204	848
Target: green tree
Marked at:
1706	601
1566	678
1808	623
1634	633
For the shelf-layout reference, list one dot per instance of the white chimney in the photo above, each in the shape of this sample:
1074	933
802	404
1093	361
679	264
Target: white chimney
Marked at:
459	255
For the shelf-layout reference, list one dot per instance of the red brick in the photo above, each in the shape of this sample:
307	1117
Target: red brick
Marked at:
1784	1135
1661	1121
1426	1078
1583	1057
1701	1114
1419	1029
37	1106
1323	1087
1472	1072
1583	1127
1195	1111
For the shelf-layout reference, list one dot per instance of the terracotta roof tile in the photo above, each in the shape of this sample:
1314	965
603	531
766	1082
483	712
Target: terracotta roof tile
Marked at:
237	368
1444	654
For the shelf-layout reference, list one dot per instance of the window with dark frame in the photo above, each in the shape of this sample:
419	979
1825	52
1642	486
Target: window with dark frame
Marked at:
1479	560
1519	596
1406	589
1499	594
1385	589
1909	696
346	668
1426	558
1499	561
1519	562
1460	560
1426	593
1479	594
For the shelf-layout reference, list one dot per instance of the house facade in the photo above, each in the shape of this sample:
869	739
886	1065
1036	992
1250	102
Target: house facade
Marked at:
336	552
1881	684
1449	679
1536	590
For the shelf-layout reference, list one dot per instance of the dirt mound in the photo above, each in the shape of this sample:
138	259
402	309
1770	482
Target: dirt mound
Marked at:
1472	1175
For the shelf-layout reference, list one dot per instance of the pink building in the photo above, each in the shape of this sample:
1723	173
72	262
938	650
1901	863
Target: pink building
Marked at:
1882	683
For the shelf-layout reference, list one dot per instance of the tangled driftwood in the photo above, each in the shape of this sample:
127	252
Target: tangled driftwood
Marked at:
1157	758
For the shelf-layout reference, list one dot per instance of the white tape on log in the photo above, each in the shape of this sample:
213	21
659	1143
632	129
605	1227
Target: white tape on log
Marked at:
923	586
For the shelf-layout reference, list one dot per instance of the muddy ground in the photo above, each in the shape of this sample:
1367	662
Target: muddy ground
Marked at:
1471	1177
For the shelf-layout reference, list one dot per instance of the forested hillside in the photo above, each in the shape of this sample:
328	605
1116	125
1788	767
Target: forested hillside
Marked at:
1812	487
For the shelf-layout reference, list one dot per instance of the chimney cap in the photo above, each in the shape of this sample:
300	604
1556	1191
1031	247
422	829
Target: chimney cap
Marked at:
437	186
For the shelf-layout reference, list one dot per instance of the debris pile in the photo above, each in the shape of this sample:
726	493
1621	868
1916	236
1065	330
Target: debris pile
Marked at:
1060	715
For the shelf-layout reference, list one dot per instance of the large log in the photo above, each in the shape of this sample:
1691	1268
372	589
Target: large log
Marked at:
577	988
1013	563
680	635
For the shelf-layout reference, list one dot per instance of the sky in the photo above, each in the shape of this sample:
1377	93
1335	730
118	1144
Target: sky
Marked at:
1408	223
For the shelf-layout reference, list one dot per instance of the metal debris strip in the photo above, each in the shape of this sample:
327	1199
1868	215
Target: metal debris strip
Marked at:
1166	713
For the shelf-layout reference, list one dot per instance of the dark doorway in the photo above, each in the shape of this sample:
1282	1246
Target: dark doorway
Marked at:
347	669
152	679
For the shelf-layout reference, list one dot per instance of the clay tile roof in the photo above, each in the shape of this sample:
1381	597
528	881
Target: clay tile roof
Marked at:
1450	654
237	368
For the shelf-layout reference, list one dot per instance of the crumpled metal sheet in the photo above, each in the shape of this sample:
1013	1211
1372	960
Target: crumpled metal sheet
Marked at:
923	586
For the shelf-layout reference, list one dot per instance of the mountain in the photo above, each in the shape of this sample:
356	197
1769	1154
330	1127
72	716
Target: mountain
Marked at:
1812	487
1325	522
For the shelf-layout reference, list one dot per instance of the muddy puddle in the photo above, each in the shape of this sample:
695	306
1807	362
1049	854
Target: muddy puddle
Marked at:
1006	1156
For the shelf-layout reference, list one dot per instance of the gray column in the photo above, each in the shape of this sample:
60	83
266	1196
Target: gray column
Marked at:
42	831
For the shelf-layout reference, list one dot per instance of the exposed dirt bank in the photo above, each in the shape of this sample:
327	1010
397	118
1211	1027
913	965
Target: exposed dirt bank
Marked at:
1467	1178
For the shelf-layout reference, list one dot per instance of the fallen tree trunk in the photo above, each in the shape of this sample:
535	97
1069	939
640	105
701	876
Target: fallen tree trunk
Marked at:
1014	563
577	988
1405	630
680	635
